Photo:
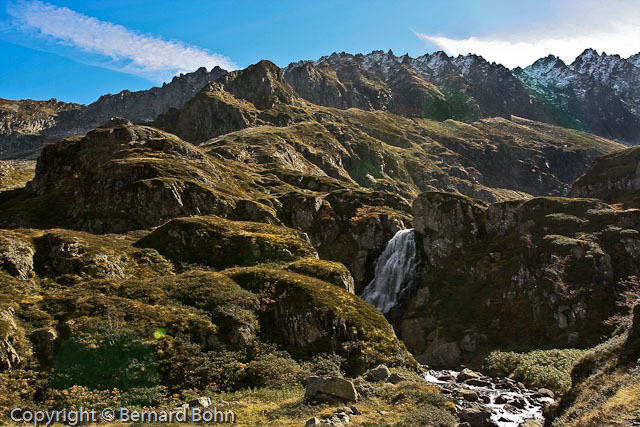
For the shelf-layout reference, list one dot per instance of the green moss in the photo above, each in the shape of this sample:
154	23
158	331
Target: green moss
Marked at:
297	293
221	243
328	271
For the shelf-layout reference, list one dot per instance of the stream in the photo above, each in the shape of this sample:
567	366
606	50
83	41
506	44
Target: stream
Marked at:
486	401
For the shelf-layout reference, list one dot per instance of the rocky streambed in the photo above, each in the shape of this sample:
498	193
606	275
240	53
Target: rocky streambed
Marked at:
485	401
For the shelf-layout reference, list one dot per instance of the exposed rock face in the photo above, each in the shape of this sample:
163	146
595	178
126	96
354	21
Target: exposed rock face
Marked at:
231	103
434	86
614	178
447	222
9	357
26	125
16	256
22	124
146	105
538	272
373	82
59	255
307	313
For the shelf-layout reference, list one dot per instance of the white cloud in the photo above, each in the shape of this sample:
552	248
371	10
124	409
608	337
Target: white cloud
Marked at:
614	29
126	50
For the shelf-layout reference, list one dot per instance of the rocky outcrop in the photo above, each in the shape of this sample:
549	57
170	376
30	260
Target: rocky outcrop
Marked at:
233	102
145	105
16	256
121	177
447	222
220	243
309	314
613	178
60	254
26	125
551	267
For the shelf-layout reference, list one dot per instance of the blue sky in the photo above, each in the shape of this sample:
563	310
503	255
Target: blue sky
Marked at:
78	50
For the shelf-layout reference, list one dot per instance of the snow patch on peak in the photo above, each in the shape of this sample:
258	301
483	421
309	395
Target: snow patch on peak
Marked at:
378	61
464	63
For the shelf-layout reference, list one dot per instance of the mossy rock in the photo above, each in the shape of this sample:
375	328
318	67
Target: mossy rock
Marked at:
220	243
328	271
309	316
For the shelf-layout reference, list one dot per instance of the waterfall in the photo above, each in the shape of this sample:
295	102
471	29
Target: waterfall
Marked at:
395	271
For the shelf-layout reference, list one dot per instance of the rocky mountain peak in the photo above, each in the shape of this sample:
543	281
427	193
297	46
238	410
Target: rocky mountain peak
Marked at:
262	84
546	65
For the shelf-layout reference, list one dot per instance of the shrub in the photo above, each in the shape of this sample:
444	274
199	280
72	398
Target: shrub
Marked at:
540	368
326	364
275	370
184	364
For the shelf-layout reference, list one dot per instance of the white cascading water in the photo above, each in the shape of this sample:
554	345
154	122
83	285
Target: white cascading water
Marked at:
395	271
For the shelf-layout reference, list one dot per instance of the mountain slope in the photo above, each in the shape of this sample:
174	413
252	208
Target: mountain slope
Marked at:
492	159
596	93
26	125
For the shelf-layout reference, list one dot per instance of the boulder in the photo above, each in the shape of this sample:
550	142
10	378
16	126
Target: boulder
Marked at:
476	416
519	403
479	383
330	389
467	374
396	378
363	388
379	373
469	395
545	392
501	399
202	402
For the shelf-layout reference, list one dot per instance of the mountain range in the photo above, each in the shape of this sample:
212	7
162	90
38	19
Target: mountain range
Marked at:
596	93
